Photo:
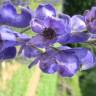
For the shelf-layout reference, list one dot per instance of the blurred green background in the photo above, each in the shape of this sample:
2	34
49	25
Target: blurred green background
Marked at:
17	80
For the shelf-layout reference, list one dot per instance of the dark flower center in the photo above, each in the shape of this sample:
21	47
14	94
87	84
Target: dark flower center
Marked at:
49	33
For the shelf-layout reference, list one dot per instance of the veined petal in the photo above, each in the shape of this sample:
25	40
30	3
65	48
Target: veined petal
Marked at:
66	20
74	38
85	56
36	41
79	52
37	25
48	67
57	25
47	62
65	17
44	10
40	41
68	64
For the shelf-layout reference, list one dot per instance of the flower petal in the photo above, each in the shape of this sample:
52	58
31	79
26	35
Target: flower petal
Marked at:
45	65
8	53
10	35
92	27
22	20
30	52
36	41
44	10
85	56
37	25
57	25
67	21
48	67
9	16
90	14
79	52
74	38
89	61
7	12
6	44
9	38
68	64
77	24
40	41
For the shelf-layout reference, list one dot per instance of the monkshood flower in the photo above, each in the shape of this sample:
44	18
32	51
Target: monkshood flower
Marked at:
9	39
78	28
46	61
90	19
65	60
86	57
48	31
50	28
9	16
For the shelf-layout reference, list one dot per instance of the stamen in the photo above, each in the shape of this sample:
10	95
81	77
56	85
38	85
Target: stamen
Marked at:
49	33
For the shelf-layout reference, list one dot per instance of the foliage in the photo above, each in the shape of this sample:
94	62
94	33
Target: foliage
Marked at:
72	7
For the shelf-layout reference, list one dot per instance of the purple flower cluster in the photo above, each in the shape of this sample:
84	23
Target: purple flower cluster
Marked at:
50	28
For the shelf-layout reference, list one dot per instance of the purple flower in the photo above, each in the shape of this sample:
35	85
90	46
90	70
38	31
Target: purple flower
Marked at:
50	28
77	28
8	41
68	63
9	38
9	16
65	60
86	57
90	19
47	62
76	37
